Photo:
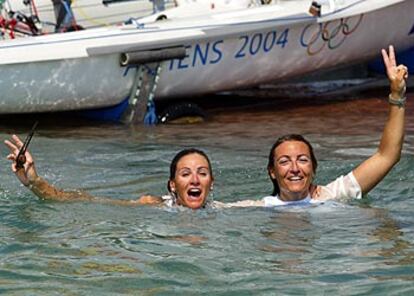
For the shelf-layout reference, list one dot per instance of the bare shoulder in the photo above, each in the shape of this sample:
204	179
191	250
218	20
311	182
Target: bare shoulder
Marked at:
317	192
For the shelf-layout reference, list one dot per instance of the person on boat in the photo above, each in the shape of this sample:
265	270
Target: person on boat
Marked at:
191	179
292	163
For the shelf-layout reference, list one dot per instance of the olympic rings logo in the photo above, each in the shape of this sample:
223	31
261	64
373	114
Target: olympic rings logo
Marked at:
332	34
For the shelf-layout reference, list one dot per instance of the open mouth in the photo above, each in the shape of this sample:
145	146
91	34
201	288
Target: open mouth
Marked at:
194	193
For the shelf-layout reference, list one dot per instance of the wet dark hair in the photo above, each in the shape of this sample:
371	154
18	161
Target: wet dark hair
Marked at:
282	139
181	154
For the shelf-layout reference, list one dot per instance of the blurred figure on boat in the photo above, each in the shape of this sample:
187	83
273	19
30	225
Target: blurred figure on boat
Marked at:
65	19
158	5
315	9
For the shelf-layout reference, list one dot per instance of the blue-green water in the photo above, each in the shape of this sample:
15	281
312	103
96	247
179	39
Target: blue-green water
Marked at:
358	248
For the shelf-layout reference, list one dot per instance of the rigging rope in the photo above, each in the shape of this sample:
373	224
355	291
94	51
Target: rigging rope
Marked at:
33	6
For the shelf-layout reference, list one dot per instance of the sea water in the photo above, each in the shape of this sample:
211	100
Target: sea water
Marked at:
354	248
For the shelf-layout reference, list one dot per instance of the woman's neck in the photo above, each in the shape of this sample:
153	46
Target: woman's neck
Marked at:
285	195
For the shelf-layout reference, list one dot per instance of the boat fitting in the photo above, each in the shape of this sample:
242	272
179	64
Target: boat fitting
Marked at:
151	56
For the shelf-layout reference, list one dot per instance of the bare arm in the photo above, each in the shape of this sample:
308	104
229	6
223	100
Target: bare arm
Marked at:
28	176
373	170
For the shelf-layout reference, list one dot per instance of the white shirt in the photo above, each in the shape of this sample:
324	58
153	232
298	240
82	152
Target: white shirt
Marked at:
344	187
275	201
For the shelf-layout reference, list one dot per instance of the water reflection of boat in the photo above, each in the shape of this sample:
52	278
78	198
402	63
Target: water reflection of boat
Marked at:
204	54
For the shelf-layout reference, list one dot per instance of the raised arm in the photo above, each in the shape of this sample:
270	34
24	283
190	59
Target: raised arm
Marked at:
44	190
373	170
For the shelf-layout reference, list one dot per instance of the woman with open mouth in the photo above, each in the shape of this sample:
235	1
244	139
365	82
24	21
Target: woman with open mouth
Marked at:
190	182
291	167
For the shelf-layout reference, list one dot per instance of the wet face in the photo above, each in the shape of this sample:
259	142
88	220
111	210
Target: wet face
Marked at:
292	169
192	181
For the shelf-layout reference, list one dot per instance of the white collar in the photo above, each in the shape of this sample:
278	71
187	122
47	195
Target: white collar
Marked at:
307	199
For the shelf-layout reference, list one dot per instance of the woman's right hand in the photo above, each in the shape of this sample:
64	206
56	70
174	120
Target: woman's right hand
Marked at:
397	75
27	173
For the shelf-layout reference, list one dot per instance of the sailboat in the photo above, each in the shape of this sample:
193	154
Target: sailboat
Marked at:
193	55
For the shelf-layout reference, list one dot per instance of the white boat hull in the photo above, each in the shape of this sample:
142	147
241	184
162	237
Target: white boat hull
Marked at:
249	59
63	85
82	71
